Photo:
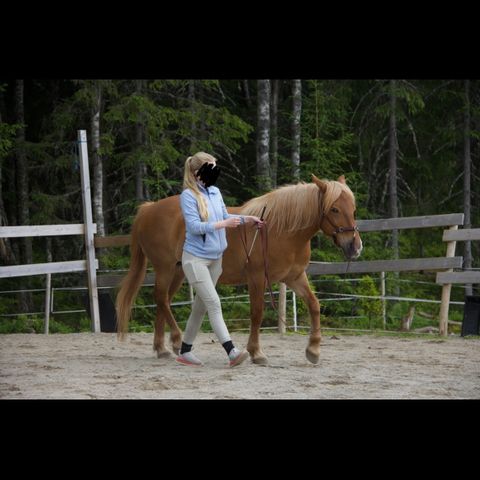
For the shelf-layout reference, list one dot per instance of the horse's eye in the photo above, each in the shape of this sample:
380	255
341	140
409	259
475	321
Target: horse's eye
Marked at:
334	210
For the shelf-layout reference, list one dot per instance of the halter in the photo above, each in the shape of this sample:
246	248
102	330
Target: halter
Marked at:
338	230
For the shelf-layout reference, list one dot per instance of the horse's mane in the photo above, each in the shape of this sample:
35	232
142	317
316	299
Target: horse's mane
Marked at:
295	207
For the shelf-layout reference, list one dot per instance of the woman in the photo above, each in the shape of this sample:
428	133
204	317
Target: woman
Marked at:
206	219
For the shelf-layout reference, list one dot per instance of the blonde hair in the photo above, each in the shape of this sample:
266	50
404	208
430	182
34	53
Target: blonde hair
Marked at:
189	180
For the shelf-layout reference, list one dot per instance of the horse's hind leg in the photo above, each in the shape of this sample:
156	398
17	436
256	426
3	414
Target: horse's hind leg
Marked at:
163	282
301	287
175	332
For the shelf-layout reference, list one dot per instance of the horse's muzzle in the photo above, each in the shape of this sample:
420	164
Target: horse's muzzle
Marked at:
352	249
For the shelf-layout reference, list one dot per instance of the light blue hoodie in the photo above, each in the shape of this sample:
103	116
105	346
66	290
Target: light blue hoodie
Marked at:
202	240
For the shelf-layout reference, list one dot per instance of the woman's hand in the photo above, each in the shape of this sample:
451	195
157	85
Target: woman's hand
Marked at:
254	219
230	222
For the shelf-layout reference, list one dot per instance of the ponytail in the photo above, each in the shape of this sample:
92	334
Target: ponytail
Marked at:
190	182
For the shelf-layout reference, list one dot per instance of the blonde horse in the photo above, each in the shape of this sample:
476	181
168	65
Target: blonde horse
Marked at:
294	214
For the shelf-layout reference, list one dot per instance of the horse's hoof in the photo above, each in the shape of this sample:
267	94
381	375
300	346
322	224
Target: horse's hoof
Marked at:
176	350
163	353
260	360
311	357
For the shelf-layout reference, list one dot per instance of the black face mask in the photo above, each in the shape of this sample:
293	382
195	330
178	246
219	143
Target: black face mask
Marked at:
208	174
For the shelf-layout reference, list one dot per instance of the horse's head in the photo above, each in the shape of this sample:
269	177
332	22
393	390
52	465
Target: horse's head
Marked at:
337	216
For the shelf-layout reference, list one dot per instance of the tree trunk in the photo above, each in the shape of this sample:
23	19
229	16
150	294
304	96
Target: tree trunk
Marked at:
23	211
141	190
274	131
392	161
264	182
201	129
97	161
191	101
7	256
467	162
297	111
247	93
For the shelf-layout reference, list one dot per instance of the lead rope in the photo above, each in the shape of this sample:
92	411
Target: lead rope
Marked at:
264	238
264	243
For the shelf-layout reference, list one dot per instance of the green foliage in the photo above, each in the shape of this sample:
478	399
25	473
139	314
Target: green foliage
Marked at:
370	307
7	137
33	324
326	136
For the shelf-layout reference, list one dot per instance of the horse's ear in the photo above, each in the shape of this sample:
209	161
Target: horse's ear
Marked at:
341	179
319	183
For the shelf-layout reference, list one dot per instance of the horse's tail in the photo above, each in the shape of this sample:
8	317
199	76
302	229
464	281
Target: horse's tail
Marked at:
130	286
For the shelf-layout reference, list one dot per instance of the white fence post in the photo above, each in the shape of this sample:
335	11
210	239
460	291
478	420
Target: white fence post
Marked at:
89	231
294	302
282	307
48	290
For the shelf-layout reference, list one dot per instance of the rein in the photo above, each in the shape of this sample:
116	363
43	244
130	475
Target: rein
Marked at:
264	243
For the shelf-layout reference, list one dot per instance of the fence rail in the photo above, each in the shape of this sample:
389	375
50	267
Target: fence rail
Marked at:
44	230
403	223
44	268
375	266
464	235
458	277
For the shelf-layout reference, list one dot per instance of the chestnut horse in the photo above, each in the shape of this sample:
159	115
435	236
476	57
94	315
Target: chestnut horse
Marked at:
294	214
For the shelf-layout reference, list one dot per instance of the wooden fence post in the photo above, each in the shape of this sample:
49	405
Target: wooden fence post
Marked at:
282	307
446	290
89	231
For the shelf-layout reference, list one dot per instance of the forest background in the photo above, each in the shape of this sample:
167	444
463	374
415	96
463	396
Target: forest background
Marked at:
406	147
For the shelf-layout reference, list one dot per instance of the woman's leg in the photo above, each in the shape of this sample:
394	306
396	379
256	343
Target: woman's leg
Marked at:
203	274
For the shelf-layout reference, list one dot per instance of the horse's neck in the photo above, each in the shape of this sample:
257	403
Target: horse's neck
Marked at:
308	233
290	213
303	235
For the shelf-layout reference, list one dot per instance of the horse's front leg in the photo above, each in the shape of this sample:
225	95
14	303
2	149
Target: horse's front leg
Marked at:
256	291
301	288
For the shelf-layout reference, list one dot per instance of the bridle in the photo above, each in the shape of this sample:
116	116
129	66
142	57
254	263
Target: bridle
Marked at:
337	230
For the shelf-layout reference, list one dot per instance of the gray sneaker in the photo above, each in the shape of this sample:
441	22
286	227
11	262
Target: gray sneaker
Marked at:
188	358
237	357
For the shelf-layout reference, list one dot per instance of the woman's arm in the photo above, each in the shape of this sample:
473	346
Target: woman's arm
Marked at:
243	218
193	221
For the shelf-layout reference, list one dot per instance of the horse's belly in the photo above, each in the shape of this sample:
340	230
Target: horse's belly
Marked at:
232	277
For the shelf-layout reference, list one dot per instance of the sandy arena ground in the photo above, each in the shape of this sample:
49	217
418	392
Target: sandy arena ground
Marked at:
85	365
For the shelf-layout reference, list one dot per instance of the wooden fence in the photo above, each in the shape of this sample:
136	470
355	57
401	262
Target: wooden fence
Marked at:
87	229
446	264
449	277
